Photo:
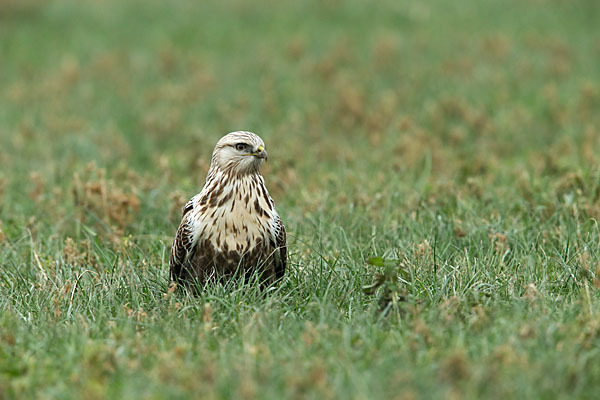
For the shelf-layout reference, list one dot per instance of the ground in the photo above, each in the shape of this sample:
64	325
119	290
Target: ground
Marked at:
435	163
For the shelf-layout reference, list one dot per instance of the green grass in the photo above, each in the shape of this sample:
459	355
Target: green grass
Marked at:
458	141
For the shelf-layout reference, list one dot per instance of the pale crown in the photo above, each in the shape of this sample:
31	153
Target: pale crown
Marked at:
239	152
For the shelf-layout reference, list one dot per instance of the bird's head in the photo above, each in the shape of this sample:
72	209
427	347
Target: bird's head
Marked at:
240	152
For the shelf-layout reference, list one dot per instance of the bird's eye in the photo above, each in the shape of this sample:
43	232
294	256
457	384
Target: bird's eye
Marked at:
240	146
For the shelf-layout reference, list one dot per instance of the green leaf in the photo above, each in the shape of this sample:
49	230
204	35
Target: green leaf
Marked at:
376	261
383	262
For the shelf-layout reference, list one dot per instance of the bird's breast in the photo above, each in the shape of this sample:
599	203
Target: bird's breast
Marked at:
240	223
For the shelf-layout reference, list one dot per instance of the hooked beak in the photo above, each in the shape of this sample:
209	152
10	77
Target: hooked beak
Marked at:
260	152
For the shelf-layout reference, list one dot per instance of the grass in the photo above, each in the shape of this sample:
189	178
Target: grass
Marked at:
435	165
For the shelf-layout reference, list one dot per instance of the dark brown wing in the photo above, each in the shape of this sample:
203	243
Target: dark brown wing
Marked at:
183	247
281	261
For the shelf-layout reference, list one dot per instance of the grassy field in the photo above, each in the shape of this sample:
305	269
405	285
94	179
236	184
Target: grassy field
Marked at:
436	165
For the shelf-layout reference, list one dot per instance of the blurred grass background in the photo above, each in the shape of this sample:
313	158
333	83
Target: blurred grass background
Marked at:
458	138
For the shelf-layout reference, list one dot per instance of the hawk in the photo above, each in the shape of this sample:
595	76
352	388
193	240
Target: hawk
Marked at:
231	226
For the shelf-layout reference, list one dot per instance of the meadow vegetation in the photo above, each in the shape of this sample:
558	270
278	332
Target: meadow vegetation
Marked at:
436	165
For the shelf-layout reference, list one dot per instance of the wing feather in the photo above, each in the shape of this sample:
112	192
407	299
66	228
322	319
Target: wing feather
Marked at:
280	264
183	247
